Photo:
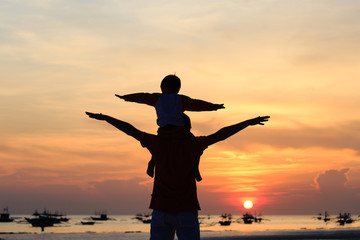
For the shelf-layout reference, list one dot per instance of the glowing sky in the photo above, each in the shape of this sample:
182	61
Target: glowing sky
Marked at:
297	61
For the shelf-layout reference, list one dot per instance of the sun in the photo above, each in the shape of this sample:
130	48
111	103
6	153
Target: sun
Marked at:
248	204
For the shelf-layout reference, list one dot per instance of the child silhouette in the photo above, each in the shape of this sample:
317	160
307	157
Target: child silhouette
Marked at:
170	107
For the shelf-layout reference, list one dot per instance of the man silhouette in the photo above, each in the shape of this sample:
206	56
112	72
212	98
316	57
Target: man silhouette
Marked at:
176	153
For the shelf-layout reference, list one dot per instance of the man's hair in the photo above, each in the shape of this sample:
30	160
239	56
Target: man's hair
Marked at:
170	84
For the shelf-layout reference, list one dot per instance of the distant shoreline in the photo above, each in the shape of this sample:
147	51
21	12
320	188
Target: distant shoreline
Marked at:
281	235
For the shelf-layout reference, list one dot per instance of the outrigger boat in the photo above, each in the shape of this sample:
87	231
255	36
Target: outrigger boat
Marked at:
226	219
100	216
326	217
345	218
87	222
5	216
248	218
145	218
46	219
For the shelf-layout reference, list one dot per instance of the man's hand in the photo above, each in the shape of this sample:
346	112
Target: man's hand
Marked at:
119	96
259	120
97	116
121	125
221	106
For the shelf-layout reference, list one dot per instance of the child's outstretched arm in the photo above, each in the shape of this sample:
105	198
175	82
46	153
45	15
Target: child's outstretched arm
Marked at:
121	125
226	132
190	104
145	98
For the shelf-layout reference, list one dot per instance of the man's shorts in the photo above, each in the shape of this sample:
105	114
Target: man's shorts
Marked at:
165	225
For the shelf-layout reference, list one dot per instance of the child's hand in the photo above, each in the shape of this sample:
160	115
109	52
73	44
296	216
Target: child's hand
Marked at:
119	96
97	116
221	106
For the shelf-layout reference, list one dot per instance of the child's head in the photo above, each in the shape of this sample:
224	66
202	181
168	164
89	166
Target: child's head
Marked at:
170	84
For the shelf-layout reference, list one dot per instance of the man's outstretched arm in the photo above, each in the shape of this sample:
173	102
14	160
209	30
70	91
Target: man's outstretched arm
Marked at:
226	132
121	125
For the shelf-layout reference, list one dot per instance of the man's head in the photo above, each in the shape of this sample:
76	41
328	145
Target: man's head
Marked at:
170	84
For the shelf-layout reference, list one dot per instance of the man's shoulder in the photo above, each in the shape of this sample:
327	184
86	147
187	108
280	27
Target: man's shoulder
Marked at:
201	138
147	135
147	139
200	142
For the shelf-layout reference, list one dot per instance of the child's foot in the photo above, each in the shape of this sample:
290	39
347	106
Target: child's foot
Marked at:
197	175
150	169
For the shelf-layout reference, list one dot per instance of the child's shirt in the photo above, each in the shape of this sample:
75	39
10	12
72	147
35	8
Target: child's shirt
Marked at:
168	110
169	107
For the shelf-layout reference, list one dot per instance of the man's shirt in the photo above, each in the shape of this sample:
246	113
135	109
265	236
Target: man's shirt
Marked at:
176	153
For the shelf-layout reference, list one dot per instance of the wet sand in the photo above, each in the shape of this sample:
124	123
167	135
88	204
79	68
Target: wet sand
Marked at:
328	234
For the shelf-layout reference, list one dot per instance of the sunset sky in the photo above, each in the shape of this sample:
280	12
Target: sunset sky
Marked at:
297	61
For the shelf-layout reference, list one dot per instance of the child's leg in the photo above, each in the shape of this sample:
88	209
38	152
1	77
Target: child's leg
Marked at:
197	174
150	168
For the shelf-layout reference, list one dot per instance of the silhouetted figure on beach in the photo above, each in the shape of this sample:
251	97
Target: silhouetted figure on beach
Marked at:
176	152
170	106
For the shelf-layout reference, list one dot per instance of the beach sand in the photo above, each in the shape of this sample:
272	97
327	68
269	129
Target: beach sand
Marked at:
313	234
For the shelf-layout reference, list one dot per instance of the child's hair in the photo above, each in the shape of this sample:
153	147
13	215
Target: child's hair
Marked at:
170	84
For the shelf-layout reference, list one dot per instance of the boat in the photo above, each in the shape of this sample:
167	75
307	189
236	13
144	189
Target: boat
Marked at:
100	217
225	222
42	221
258	218
345	218
46	219
5	216
326	217
226	219
145	218
248	218
57	217
87	223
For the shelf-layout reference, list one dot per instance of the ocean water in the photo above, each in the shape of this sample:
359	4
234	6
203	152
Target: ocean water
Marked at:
128	227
